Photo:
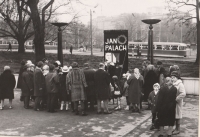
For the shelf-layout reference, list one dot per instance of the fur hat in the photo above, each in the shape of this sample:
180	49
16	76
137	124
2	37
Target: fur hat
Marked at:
175	74
74	65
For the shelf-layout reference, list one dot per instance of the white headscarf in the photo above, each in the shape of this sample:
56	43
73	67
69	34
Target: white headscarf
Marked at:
136	73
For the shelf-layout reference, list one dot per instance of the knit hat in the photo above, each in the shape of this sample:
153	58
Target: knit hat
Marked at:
74	65
156	85
159	63
40	64
175	74
115	77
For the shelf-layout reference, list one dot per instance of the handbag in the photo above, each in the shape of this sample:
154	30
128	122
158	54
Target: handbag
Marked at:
117	92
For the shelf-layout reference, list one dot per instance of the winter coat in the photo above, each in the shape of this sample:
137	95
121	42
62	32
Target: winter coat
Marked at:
119	72
63	93
52	82
135	89
179	98
27	84
89	77
76	79
102	84
19	81
152	99
149	80
7	84
39	83
166	106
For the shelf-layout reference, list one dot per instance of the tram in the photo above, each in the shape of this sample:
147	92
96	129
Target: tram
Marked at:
167	49
27	45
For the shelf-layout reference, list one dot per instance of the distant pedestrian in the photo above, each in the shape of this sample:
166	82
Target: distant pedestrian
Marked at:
52	87
9	47
152	99
7	85
76	80
179	99
39	86
102	88
71	49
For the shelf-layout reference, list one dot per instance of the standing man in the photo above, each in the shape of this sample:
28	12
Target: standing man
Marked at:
102	88
71	49
9	47
52	85
27	85
89	76
39	85
76	80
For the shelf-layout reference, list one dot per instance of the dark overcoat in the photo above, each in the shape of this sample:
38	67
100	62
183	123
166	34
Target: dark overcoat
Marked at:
166	106
7	84
135	89
149	80
19	81
39	82
52	82
89	77
102	84
27	84
63	94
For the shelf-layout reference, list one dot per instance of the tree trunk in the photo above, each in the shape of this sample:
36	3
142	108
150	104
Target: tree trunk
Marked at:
39	33
21	48
198	32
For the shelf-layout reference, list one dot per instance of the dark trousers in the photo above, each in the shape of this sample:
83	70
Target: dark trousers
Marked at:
26	101
76	105
91	104
153	117
128	103
38	99
51	100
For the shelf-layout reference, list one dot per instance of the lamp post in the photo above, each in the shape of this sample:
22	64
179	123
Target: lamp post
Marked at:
150	37
60	50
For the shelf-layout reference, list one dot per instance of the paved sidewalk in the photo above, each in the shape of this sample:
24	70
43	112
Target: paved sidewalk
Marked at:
21	122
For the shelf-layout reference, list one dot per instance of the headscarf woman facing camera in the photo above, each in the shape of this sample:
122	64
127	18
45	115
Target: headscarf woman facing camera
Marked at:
135	83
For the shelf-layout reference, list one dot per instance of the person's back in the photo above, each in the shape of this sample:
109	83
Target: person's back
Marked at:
52	81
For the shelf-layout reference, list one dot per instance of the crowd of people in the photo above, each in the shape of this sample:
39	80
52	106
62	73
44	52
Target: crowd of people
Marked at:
51	86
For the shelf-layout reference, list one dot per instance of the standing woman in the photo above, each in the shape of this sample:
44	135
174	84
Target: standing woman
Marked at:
166	106
179	99
149	80
64	94
7	84
135	83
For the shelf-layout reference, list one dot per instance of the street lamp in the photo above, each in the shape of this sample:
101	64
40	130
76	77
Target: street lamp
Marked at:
150	37
60	50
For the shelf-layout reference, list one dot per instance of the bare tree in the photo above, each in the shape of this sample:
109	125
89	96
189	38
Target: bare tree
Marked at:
185	17
16	23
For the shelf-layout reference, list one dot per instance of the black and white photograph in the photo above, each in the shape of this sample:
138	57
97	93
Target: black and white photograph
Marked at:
99	68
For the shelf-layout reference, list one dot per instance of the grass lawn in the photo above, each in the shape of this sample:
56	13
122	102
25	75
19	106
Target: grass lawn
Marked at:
13	59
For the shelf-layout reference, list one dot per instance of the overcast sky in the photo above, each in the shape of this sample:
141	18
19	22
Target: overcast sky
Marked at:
110	8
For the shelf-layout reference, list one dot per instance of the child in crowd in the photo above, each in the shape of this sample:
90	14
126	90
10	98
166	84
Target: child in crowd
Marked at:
125	89
117	92
152	100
